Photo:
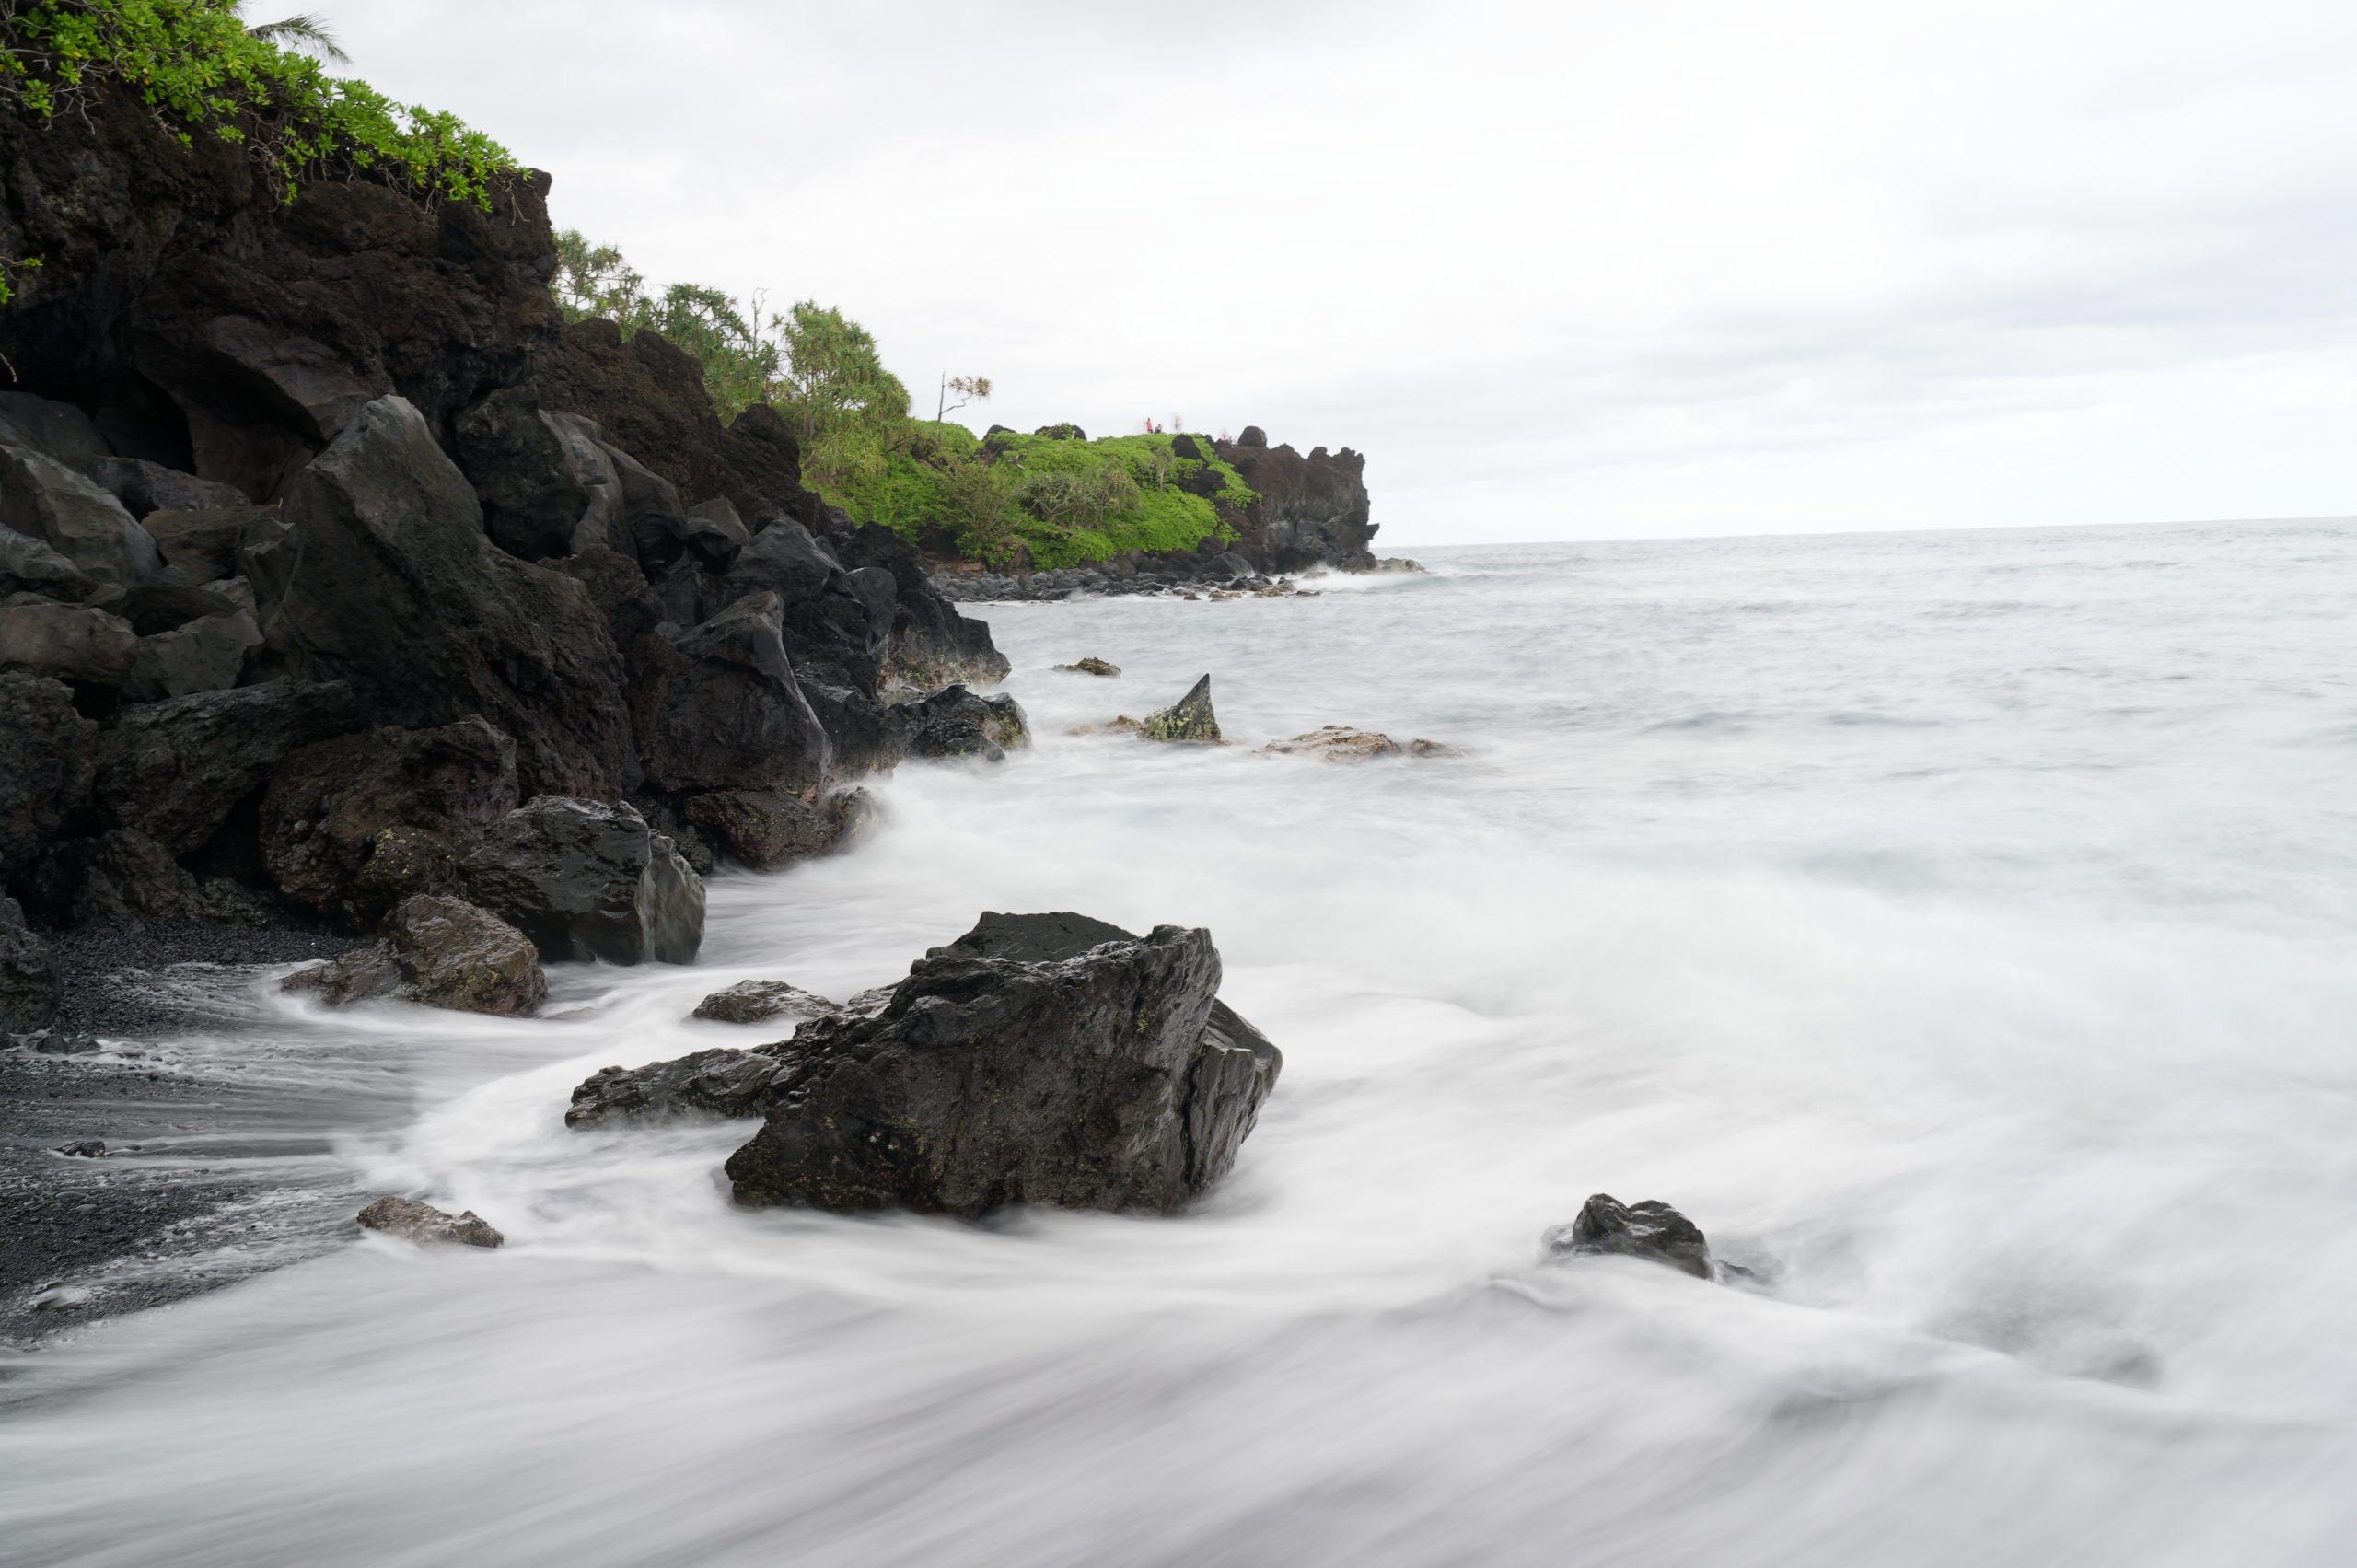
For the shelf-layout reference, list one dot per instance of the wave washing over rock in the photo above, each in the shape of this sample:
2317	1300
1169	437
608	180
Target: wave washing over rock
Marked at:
1952	930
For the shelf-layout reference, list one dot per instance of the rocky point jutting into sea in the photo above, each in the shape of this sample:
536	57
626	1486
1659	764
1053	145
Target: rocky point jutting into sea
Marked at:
360	608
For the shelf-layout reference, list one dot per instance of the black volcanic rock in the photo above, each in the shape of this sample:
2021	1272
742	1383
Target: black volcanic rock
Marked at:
27	975
1651	1230
588	881
176	770
1090	1081
736	717
395	589
329	805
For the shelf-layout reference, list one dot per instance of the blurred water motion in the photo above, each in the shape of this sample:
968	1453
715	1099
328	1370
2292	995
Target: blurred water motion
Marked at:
1957	926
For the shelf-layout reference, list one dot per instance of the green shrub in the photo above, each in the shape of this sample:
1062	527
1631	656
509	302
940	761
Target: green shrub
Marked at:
195	64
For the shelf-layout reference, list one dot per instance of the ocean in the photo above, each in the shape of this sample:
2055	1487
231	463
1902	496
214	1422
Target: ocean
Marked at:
1960	928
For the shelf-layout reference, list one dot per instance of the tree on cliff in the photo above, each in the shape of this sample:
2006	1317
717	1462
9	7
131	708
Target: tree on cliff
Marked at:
835	390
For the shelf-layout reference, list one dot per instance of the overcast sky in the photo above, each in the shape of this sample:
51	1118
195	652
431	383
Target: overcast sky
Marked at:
1563	271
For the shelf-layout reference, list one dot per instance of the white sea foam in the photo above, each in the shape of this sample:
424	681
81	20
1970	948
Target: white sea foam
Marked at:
1957	926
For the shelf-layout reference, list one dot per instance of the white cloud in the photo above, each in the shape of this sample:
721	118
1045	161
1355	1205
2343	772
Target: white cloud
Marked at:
1560	271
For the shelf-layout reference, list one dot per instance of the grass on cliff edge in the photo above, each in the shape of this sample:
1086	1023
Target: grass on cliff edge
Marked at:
195	64
1066	501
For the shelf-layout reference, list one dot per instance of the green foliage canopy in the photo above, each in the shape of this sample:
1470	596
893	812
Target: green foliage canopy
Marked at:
1064	500
195	64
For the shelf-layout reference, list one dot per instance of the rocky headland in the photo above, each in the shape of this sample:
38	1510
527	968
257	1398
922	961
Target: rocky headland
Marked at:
357	606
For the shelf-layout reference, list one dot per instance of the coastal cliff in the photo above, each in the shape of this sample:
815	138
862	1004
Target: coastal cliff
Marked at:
278	470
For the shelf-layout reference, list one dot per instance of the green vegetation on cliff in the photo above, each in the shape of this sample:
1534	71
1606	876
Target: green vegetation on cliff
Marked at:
201	70
1061	500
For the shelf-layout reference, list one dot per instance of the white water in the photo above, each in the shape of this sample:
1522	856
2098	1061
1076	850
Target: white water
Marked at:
1960	925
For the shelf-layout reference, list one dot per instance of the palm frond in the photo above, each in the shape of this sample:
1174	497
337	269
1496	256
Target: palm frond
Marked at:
304	34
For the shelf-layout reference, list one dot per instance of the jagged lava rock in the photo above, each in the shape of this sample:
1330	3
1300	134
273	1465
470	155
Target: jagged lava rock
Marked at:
737	718
587	882
1336	743
43	498
425	1225
1651	1230
721	1083
394	587
439	952
330	806
1189	719
1092	666
1091	1080
176	770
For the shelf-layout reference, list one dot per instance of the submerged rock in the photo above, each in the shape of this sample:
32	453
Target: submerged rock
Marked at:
1189	719
1650	1230
437	952
724	1083
1336	743
424	1223
1037	1058
758	1000
1092	666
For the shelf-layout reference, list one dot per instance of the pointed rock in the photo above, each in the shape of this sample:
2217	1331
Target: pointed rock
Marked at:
1189	719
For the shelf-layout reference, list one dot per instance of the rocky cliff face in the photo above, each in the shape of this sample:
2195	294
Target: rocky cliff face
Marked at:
1312	511
347	445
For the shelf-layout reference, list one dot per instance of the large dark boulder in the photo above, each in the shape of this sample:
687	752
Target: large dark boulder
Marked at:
210	654
176	770
1091	1079
203	542
587	882
956	722
87	647
1651	1230
548	486
327	816
634	619
48	762
394	587
44	499
767	831
439	952
27	566
144	487
27	975
736	717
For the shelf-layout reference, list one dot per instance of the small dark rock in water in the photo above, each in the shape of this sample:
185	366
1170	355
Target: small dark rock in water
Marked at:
719	1083
1091	666
1432	748
422	1223
956	710
1651	1230
49	1043
1189	719
441	953
1336	743
1034	1059
89	1148
758	1000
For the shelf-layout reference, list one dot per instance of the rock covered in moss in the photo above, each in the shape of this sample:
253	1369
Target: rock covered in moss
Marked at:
427	1225
1189	719
1652	1230
956	721
1336	743
1092	666
439	952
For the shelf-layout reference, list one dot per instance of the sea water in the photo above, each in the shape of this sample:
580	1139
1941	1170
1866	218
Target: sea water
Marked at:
1957	927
